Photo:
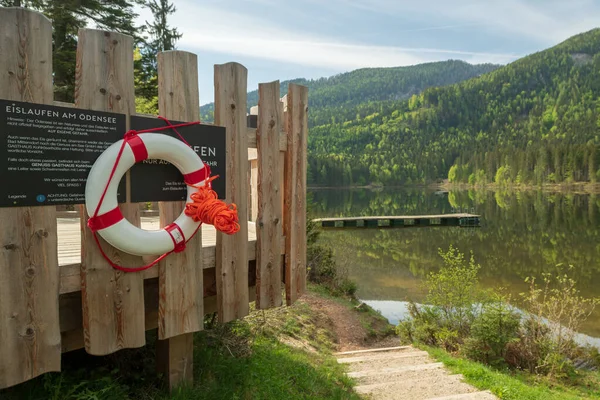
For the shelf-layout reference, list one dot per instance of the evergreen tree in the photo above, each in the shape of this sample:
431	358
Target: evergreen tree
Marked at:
68	16
162	38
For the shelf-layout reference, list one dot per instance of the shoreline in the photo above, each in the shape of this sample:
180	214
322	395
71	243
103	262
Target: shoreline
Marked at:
572	188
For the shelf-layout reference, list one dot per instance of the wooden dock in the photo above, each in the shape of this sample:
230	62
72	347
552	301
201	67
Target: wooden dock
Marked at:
402	221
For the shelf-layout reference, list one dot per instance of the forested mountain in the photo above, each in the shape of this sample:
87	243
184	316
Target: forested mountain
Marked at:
533	121
329	96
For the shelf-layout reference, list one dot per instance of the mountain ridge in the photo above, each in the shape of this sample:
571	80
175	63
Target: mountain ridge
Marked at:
371	84
535	121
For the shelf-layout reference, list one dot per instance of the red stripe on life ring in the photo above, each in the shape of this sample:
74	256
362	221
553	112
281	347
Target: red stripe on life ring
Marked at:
138	148
105	220
177	237
198	176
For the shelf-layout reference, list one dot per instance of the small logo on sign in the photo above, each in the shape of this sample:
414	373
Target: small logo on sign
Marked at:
40	198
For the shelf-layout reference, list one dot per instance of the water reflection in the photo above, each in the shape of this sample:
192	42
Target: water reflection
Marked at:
522	234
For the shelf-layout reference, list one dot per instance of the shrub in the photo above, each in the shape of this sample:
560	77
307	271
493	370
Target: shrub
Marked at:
533	345
588	358
453	290
447	339
486	328
451	295
558	300
422	325
555	313
492	331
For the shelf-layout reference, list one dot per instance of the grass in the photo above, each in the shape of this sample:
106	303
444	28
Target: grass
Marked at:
273	371
283	353
513	385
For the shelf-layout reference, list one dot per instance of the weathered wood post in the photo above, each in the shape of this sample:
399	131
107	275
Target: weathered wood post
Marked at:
181	301
270	214
113	301
232	251
295	192
29	274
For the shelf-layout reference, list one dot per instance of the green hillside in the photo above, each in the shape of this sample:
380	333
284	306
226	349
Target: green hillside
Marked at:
533	121
340	92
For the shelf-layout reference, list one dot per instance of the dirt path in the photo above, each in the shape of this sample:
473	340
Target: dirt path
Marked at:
383	369
350	332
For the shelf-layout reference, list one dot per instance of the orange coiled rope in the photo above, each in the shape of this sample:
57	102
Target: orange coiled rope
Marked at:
208	209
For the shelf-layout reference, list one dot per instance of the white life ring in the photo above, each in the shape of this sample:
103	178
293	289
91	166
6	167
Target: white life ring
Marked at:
109	222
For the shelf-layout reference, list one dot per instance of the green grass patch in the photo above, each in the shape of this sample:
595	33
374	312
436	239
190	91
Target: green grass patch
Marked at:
515	385
284	353
272	370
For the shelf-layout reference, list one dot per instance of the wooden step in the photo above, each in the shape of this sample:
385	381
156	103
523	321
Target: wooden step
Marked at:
384	356
345	353
397	370
421	385
408	360
483	395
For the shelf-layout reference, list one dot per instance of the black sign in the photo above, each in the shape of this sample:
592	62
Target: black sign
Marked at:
46	152
157	180
252	121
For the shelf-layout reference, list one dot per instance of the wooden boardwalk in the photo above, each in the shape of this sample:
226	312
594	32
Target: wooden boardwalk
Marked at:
401	221
69	237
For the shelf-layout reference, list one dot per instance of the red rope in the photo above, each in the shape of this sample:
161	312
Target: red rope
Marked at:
126	137
207	208
175	130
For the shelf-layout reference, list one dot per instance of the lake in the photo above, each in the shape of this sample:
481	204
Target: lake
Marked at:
524	233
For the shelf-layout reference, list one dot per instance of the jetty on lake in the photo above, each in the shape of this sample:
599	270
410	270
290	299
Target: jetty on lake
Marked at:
402	221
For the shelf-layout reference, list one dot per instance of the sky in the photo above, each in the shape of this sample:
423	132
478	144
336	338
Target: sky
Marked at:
286	39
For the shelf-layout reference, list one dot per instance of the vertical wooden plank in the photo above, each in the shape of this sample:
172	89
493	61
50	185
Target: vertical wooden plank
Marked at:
29	274
295	192
180	275
254	189
175	359
270	213
112	300
181	300
232	250
282	110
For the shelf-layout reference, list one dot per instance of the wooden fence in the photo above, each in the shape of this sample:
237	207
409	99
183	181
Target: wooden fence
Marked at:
58	294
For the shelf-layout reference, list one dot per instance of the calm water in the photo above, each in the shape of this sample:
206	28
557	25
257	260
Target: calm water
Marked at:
522	234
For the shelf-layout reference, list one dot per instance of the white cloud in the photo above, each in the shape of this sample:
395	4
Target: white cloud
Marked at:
264	29
280	39
547	21
218	30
